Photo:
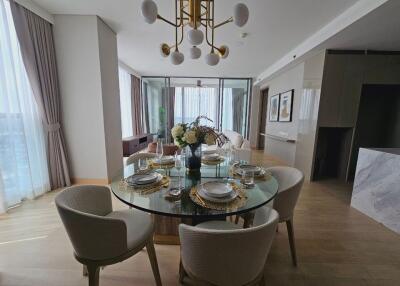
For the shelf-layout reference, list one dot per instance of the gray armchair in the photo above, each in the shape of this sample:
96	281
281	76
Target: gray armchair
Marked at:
221	253
101	236
290	182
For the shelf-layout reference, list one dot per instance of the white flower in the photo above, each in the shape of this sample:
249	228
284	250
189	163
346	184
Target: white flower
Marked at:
177	131
209	139
190	137
178	144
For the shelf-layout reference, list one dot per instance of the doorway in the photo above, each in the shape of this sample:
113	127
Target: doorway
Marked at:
263	118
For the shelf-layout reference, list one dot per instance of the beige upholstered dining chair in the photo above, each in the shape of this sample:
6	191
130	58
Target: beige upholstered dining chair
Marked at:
221	253
290	182
137	156
101	236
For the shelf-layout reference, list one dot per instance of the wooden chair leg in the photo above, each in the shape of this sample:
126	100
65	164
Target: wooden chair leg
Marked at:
289	225
153	261
84	270
93	272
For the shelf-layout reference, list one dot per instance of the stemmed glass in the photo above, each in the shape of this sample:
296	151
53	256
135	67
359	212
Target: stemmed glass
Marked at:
160	151
179	162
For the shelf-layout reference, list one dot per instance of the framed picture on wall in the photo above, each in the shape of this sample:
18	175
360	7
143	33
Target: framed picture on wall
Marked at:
285	106
274	108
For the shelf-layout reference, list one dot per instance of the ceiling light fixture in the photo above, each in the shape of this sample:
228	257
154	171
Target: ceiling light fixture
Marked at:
196	14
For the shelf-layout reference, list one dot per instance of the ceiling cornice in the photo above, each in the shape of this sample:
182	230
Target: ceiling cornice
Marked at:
348	17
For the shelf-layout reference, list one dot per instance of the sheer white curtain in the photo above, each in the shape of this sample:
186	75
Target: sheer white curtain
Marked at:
191	102
126	102
23	161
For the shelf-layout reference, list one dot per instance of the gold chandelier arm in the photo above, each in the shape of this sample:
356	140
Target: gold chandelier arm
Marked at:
166	21
208	17
229	20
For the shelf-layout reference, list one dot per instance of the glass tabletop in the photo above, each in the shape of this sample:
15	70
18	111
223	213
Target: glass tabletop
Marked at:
263	192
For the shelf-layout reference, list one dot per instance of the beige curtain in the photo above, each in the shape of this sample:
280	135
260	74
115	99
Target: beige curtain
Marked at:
137	104
35	36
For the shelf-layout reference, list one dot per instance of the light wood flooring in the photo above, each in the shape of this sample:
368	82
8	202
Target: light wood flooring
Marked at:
336	245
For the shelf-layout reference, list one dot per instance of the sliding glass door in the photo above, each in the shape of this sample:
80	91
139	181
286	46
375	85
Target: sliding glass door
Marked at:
157	106
168	101
235	105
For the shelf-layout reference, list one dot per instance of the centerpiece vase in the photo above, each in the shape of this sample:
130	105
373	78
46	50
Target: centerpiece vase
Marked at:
193	157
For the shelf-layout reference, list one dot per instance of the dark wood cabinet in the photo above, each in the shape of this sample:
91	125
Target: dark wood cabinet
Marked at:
136	143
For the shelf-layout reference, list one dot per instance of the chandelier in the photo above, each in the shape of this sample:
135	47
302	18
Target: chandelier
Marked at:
197	14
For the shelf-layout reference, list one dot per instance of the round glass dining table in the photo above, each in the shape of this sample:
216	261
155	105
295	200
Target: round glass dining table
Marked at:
157	202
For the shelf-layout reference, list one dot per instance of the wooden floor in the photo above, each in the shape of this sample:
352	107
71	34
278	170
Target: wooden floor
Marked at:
336	245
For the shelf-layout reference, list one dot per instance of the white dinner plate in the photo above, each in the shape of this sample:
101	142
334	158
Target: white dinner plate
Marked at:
226	199
216	189
211	157
164	160
144	179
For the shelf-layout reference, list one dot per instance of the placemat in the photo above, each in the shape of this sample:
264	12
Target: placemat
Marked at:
155	165
145	190
238	202
265	177
213	162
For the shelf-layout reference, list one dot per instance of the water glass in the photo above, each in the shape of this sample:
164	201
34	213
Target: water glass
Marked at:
248	178
143	165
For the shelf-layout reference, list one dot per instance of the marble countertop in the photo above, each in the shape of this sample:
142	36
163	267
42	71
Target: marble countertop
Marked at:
376	189
395	151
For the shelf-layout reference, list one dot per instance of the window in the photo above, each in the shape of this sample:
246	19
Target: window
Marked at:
125	102
23	161
191	102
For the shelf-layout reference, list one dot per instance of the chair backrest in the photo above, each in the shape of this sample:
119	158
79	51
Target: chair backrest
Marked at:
290	182
83	211
227	257
246	144
235	138
137	156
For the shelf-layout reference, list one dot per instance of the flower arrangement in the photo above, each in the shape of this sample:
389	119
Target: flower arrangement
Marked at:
194	134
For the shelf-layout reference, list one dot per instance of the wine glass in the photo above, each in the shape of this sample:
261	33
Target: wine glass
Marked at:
159	151
178	165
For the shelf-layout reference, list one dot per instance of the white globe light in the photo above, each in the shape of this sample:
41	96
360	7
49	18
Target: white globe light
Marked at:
177	58
195	52
240	14
212	59
226	54
149	11
195	37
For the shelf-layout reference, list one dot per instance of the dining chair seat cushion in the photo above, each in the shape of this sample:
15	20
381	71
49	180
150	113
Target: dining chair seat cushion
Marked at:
138	226
218	225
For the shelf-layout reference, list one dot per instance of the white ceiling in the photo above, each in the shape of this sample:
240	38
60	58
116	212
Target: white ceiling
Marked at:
275	27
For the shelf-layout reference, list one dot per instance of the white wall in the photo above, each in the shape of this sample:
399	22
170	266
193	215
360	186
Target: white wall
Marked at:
110	93
309	107
87	66
291	79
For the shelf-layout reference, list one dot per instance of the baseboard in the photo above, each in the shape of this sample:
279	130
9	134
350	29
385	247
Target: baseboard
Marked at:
88	181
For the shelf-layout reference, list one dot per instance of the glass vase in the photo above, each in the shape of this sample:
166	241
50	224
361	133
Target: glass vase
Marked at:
193	157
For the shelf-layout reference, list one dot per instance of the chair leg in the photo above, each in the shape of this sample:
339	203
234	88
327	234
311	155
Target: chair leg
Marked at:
237	219
153	261
289	225
182	273
84	270
262	280
94	272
